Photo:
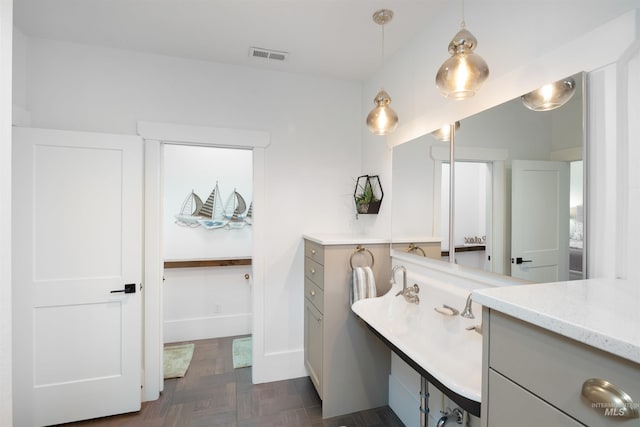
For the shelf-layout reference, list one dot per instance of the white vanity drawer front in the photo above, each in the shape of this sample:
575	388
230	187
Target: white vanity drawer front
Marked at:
314	251
521	408
314	294
555	368
314	271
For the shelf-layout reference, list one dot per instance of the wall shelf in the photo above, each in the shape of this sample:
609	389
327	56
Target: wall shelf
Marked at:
207	263
472	248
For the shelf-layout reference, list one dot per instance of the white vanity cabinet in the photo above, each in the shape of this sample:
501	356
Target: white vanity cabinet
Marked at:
533	376
348	365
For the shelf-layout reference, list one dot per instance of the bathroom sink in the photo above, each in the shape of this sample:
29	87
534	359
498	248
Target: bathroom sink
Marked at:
437	345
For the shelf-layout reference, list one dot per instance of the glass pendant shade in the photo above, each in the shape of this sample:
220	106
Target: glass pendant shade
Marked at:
382	120
462	75
444	133
550	96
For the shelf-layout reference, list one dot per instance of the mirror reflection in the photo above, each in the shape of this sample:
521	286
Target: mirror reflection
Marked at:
518	188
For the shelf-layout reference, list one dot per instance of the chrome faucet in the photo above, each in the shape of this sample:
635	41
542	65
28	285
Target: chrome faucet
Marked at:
404	276
409	293
467	313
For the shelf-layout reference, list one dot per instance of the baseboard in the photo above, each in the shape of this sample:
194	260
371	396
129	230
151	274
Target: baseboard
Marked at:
207	327
278	366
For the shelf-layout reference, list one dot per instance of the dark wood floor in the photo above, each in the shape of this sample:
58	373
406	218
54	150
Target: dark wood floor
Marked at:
213	393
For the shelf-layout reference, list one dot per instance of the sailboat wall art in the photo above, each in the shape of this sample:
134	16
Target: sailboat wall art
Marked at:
189	210
211	214
235	210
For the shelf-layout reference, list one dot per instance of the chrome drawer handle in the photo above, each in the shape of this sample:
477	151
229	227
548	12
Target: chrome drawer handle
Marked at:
313	271
610	397
313	251
313	293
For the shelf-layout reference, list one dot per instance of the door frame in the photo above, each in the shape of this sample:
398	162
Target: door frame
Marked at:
6	327
498	234
155	134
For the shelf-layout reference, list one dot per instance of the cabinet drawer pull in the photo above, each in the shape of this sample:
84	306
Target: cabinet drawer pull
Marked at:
313	293
313	271
610	397
313	251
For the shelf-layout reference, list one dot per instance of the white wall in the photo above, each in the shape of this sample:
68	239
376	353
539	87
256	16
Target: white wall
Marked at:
72	86
206	302
470	201
198	169
6	27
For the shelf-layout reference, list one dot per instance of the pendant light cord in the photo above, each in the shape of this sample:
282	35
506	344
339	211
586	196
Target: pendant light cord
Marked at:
462	24
382	56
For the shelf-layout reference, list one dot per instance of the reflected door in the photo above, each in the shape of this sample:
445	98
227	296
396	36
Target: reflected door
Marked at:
77	223
540	220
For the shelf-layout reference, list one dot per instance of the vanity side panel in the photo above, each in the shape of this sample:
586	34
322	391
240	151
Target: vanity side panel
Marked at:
356	363
486	338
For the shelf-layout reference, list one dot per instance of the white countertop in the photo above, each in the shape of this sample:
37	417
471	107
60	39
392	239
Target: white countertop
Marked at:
418	239
602	313
350	239
345	239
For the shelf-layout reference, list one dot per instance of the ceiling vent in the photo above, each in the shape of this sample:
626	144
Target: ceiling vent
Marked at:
258	52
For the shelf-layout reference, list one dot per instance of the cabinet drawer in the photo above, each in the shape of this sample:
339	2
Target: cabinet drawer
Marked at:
314	271
315	294
314	251
555	368
511	405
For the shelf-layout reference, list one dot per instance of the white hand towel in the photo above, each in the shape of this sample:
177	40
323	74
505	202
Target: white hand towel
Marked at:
363	284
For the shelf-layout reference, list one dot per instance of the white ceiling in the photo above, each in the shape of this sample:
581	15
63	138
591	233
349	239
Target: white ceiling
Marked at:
333	38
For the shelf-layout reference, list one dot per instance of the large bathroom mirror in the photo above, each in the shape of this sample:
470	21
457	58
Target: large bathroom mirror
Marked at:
519	191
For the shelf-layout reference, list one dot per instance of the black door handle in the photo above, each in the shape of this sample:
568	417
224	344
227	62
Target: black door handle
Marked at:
129	288
520	260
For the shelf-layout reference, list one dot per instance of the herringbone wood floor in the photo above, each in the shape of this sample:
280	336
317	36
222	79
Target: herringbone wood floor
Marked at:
213	393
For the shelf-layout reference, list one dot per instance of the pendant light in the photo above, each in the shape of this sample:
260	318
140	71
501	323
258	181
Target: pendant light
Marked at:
462	75
382	120
444	133
550	96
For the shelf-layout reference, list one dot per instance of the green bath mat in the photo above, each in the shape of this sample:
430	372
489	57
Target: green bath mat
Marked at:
242	352
177	359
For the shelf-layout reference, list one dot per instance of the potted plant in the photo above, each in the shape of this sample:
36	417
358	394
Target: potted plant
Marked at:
368	194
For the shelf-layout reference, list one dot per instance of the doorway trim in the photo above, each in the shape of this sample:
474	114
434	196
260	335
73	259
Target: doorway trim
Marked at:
499	235
155	134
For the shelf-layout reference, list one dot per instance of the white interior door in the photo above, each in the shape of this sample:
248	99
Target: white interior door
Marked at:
540	220
77	236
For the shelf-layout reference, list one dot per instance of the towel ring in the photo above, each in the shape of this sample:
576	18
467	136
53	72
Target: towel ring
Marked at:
358	250
414	248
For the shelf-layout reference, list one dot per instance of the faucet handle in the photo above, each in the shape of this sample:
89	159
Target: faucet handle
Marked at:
415	288
476	328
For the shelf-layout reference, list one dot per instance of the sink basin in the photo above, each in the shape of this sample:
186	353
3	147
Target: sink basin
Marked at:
437	345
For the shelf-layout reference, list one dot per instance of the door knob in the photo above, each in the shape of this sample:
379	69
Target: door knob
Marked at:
129	288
